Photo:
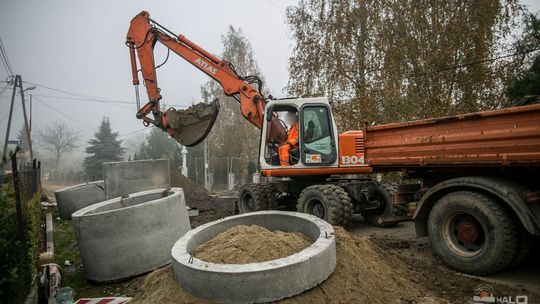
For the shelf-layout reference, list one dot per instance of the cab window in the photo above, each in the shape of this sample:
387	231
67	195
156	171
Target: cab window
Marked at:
318	143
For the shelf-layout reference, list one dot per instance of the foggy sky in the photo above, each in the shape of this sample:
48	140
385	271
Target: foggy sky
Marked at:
78	46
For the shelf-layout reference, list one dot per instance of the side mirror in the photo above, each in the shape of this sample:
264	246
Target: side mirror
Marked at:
269	113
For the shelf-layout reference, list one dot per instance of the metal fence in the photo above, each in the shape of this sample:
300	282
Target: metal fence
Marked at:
20	216
224	173
26	182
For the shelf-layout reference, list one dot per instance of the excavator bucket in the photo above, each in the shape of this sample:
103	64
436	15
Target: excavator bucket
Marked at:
191	126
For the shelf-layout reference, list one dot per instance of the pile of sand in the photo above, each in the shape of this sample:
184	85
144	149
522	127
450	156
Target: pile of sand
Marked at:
364	274
251	244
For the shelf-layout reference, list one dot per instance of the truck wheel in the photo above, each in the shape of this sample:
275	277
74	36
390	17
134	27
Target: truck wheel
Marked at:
329	202
525	242
256	197
383	197
472	233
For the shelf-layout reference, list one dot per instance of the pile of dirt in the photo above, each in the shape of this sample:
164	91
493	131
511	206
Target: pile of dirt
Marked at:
364	274
251	244
210	208
196	196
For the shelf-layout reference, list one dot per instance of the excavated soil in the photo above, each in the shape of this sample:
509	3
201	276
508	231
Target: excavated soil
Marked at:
251	244
364	274
196	196
210	208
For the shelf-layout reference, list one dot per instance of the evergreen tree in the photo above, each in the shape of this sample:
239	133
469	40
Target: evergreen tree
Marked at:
105	147
159	145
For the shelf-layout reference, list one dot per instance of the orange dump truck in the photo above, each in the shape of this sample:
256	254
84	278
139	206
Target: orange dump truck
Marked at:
477	182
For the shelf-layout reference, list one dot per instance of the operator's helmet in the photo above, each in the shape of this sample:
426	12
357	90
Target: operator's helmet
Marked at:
290	117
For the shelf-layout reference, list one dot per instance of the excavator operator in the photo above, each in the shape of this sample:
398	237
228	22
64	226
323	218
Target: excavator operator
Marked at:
292	143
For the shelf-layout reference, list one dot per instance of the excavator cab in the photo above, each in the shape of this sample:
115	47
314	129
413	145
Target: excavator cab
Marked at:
317	143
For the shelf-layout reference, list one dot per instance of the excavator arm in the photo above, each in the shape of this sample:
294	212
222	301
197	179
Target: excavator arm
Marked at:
192	125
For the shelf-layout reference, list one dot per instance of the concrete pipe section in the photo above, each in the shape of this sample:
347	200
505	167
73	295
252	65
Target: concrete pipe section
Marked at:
123	237
126	177
257	282
79	196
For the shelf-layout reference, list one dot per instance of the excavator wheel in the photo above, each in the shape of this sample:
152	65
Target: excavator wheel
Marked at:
383	196
256	197
329	202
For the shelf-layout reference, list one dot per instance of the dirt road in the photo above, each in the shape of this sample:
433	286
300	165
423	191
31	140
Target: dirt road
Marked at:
401	241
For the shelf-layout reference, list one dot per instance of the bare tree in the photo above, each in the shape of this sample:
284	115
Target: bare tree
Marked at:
232	135
57	139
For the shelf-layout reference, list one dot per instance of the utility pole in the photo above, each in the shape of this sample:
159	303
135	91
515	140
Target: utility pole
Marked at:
18	84
4	153
184	161
206	181
28	136
30	114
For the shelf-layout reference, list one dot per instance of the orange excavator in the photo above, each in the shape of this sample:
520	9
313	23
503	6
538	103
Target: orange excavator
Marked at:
189	127
463	173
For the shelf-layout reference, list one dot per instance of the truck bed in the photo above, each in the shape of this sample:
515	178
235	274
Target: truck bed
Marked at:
509	136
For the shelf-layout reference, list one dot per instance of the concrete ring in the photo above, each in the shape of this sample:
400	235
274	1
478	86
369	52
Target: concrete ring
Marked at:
76	197
123	237
257	282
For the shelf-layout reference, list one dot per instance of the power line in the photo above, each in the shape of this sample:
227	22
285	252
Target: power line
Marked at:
84	97
4	89
132	132
85	125
275	6
5	59
116	103
84	100
14	108
65	115
454	67
84	146
17	105
77	94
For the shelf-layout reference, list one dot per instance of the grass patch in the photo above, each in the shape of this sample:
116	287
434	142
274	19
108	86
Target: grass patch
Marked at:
18	255
65	248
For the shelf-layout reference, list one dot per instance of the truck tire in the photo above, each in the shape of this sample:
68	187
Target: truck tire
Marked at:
256	197
472	233
383	194
525	243
329	202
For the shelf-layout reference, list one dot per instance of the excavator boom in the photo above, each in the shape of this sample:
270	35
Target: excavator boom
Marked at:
190	126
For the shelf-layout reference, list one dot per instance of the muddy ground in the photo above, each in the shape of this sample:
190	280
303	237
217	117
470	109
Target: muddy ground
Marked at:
402	242
419	264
